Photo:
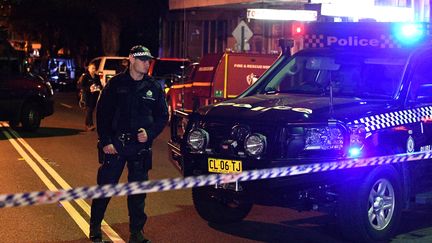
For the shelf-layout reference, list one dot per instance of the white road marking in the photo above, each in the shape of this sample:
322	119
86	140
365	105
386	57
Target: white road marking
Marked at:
65	105
81	222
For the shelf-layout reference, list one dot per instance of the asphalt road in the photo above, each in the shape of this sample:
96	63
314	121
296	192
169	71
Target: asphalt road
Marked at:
62	155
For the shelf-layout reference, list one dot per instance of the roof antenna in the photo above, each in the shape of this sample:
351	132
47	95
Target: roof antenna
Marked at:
331	110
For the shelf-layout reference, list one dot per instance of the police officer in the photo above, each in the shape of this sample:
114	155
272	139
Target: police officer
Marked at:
131	113
90	87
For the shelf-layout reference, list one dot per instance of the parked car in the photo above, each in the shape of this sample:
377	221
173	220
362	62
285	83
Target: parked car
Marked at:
108	66
25	98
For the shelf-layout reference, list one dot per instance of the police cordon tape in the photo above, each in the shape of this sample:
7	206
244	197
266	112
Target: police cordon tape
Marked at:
121	189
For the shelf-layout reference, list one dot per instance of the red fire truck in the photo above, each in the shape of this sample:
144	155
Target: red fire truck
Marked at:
216	78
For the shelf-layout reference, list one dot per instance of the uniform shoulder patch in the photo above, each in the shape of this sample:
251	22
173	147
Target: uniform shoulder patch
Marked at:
149	93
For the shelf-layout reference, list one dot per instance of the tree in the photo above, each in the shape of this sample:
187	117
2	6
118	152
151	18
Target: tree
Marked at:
56	24
88	28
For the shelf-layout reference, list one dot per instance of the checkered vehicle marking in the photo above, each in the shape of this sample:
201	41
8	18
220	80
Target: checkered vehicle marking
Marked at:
314	41
392	119
389	42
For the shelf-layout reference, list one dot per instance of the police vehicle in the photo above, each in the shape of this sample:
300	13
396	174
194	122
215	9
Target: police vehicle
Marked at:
355	90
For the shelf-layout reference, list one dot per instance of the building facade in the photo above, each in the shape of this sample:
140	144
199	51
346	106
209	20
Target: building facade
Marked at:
193	28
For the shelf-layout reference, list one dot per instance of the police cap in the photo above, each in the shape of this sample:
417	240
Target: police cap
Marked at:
140	52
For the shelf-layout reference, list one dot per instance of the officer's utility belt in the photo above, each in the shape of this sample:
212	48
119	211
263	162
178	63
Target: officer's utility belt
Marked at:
127	138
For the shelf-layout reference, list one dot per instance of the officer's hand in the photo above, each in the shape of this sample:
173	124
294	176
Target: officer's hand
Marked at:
142	135
109	149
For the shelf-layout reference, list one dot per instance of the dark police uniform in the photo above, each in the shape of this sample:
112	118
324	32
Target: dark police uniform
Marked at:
90	98
125	106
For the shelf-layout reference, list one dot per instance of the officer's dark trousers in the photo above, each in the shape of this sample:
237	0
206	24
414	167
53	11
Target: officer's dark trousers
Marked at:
91	100
109	173
89	116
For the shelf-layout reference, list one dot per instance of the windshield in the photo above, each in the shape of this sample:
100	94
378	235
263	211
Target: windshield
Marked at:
350	75
164	68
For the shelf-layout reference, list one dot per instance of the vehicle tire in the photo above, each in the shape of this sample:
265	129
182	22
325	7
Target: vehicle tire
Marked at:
370	209
14	124
31	117
217	207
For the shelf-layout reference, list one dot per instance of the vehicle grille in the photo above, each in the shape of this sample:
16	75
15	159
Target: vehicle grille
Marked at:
282	142
222	131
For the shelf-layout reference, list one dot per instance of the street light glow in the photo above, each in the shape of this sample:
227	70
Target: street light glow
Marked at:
278	14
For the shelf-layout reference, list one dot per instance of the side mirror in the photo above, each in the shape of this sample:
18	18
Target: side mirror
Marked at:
286	45
424	93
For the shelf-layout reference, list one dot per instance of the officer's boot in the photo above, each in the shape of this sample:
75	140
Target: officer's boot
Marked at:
95	234
138	237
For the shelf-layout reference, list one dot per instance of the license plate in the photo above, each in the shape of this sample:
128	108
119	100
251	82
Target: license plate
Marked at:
224	165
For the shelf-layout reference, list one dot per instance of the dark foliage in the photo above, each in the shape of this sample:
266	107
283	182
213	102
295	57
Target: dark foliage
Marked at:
88	28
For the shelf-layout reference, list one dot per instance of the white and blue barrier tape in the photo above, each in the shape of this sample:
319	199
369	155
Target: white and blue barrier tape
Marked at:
110	190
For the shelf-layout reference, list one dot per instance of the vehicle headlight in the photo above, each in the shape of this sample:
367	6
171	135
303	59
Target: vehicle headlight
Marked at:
324	138
357	135
255	144
357	139
198	139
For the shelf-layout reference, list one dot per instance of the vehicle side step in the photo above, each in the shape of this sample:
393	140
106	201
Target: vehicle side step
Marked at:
424	198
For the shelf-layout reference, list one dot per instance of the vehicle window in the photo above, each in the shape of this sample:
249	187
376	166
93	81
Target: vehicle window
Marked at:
421	82
355	76
380	76
9	67
163	68
190	72
113	64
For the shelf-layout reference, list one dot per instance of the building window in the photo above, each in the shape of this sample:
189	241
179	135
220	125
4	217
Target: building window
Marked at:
214	36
